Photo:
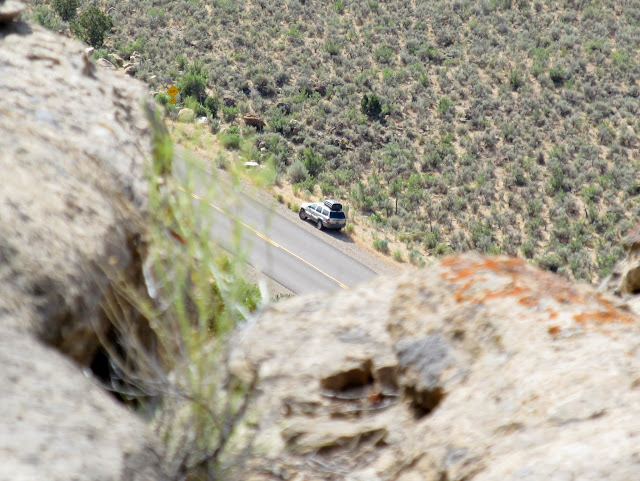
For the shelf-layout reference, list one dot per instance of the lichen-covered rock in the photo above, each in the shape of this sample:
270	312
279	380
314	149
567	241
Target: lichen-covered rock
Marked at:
73	145
475	368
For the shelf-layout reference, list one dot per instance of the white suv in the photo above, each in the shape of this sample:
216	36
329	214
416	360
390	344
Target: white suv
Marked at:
327	214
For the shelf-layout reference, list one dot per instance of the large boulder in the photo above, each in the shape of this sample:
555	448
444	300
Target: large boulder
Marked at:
474	368
73	145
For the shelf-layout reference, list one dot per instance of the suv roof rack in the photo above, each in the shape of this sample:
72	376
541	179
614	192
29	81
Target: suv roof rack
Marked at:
333	204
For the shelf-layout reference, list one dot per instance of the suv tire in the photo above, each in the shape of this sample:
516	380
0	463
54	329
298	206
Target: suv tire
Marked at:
302	214
319	224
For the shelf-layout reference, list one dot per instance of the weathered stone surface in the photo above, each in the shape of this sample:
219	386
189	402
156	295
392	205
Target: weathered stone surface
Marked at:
73	146
103	62
57	424
475	368
624	281
10	10
74	141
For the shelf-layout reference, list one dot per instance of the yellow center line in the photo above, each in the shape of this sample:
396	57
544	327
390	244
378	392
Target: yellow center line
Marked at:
265	238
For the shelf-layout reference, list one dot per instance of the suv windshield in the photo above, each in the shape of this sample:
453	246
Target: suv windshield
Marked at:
337	215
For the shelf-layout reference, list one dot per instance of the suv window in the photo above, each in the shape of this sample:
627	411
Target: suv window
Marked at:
317	208
337	215
325	212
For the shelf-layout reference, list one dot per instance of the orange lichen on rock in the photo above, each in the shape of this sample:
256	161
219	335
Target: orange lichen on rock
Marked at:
512	291
459	294
463	267
608	314
554	330
528	286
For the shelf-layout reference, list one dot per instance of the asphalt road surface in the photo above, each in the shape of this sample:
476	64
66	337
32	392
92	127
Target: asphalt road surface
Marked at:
279	248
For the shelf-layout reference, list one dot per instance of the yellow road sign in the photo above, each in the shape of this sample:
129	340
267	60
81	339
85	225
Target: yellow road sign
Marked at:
172	91
172	101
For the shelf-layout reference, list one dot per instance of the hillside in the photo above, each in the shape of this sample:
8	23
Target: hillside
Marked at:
501	126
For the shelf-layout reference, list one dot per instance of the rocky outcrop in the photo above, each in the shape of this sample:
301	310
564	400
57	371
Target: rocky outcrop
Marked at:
475	368
624	281
74	141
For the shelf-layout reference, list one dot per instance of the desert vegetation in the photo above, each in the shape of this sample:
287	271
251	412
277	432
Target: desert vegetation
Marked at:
497	125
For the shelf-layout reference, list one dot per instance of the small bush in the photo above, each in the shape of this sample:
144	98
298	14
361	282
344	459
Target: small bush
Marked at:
515	80
297	172
349	229
557	75
381	245
229	114
397	256
44	16
213	105
415	258
162	98
370	105
193	83
312	161
230	140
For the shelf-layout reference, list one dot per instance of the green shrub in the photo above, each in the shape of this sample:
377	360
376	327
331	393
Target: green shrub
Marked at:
528	250
67	9
229	114
384	54
445	104
557	75
213	105
297	172
333	47
381	245
312	161
370	105
397	256
415	258
349	228
163	99
230	140
515	80
442	249
91	26
44	16
199	110
194	82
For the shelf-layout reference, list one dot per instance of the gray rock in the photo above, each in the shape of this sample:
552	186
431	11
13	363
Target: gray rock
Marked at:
502	371
104	63
74	141
10	10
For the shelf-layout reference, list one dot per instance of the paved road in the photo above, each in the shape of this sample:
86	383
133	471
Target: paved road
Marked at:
293	257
